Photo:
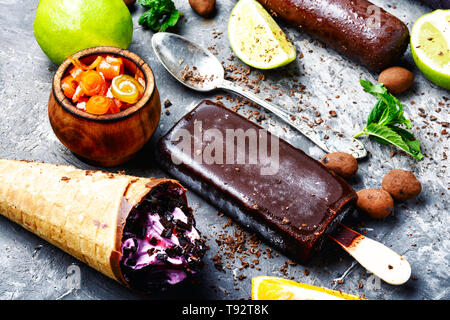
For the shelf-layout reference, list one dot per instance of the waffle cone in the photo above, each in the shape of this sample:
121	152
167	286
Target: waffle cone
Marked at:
80	211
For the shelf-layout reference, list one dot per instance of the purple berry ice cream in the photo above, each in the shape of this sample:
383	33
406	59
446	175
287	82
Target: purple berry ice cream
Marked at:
160	244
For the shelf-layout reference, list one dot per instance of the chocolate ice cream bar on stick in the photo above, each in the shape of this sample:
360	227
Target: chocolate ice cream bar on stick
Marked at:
278	191
268	186
137	231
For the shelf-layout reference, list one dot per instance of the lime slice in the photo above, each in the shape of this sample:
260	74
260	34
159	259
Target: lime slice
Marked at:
274	288
256	38
430	46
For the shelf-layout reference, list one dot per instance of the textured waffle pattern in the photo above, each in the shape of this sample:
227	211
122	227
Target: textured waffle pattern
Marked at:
75	210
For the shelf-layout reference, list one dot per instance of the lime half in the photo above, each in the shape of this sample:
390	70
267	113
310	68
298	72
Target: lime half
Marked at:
256	38
430	46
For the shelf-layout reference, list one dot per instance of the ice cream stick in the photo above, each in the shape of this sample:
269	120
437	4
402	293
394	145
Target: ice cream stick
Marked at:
373	255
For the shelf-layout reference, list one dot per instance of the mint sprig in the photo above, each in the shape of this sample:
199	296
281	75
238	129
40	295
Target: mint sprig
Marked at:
383	120
160	14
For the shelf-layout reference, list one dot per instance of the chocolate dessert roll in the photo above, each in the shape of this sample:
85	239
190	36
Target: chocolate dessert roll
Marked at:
358	29
289	199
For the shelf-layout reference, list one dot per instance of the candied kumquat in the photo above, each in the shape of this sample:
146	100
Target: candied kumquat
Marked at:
81	104
118	103
92	82
78	64
114	107
69	86
100	105
103	86
111	68
76	73
114	60
79	93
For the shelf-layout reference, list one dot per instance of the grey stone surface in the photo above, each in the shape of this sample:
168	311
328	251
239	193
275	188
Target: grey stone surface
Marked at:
418	229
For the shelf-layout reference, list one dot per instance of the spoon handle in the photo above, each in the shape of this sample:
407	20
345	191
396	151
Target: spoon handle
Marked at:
322	137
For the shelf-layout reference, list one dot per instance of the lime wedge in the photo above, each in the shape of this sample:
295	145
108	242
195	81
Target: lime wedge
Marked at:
256	38
274	288
430	46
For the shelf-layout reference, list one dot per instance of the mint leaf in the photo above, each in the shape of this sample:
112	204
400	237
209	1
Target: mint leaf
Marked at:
414	149
388	109
388	112
387	135
410	140
396	109
160	14
385	110
171	21
145	3
406	135
149	20
400	118
376	113
373	89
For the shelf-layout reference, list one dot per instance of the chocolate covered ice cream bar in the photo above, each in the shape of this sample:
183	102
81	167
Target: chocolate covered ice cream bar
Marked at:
265	184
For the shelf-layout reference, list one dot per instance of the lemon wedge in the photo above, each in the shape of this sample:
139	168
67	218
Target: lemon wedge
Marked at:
274	288
256	38
430	46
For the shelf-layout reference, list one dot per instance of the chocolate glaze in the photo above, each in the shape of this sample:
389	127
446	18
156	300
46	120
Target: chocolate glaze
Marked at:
348	26
292	209
346	236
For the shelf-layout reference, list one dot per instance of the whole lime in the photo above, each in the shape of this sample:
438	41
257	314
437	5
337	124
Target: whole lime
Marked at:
64	27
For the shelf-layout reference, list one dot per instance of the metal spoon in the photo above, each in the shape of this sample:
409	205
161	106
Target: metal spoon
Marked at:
180	55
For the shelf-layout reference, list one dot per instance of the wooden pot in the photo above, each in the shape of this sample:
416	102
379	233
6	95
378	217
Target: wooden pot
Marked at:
110	139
